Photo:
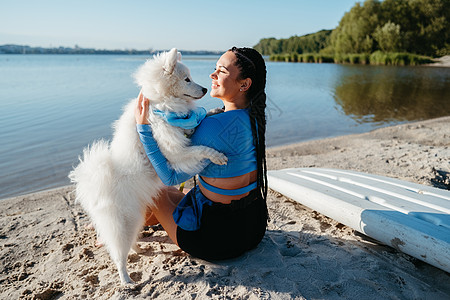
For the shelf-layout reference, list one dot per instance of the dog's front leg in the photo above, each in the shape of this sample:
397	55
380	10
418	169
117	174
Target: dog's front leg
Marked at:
201	152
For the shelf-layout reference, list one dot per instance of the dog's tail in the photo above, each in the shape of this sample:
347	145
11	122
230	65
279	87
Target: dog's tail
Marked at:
93	175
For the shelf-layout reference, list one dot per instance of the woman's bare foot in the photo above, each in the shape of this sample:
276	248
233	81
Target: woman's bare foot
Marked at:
98	243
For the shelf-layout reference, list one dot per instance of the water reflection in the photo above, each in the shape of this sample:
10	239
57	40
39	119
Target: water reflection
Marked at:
304	102
383	94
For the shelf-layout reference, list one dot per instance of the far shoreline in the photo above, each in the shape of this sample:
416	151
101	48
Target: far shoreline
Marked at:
383	59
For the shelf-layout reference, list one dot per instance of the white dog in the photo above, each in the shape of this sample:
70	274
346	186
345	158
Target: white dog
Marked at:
115	182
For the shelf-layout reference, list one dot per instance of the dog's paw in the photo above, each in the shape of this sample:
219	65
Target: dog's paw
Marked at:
126	280
214	111
219	159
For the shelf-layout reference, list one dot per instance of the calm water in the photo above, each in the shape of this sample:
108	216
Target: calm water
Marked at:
51	106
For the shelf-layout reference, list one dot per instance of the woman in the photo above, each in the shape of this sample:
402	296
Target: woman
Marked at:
226	214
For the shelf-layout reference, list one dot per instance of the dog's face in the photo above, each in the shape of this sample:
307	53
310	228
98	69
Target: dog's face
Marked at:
165	76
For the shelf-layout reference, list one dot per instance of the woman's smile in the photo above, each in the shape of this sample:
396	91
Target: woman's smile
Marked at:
226	84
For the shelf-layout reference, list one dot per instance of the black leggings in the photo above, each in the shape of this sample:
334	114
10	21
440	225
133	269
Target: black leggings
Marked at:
227	230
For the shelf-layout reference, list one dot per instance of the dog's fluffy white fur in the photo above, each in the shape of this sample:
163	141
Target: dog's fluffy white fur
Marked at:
115	182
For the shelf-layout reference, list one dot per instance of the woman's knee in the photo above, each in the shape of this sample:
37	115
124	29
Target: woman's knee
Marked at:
150	217
169	195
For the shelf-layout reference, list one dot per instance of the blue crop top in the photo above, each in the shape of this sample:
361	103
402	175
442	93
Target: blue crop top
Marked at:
229	133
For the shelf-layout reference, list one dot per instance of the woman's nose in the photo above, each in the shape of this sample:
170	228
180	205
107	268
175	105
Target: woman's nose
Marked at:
213	75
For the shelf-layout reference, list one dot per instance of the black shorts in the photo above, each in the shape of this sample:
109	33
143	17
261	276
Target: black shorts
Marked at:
227	230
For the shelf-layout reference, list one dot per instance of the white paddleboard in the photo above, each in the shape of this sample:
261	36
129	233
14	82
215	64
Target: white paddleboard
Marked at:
412	218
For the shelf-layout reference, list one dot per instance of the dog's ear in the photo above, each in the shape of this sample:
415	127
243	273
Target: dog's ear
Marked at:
179	56
171	61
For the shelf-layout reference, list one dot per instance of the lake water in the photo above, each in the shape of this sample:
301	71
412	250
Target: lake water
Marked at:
52	106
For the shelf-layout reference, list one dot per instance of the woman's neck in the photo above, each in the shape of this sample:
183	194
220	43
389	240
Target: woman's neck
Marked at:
240	103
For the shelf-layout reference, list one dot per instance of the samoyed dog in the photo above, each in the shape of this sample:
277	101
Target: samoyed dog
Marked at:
115	182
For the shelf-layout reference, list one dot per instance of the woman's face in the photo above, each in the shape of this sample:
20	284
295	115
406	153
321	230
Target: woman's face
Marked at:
225	83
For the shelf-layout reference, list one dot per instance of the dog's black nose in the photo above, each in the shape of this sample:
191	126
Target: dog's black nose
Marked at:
204	90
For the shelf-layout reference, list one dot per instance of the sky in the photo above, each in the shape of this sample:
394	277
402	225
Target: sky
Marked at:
158	25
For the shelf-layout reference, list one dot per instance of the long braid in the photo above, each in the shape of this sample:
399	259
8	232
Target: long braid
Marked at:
252	65
258	123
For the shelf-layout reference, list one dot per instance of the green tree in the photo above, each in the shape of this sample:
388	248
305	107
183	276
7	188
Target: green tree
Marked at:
421	26
310	43
388	37
432	31
354	32
415	26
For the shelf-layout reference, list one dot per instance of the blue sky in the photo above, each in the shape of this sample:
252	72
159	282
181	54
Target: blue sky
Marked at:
139	24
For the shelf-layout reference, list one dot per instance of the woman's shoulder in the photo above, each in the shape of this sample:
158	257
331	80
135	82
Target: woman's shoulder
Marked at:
231	126
229	122
225	118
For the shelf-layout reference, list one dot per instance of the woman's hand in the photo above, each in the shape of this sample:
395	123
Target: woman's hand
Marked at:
141	110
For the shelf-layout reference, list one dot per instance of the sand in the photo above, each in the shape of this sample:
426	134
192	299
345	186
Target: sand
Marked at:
443	61
47	252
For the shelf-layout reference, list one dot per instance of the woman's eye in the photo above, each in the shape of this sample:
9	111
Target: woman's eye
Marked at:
187	79
220	71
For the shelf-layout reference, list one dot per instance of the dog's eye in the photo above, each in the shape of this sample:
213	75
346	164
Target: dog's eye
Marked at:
187	79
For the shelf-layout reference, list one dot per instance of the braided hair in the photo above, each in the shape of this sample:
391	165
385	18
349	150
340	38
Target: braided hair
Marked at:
251	65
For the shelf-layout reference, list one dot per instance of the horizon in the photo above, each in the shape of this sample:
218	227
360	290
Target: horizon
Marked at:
143	25
106	49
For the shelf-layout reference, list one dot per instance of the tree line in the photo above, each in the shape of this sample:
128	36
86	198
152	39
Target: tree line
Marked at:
21	49
419	27
310	43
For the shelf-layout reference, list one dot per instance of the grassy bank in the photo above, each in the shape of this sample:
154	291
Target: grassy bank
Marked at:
376	58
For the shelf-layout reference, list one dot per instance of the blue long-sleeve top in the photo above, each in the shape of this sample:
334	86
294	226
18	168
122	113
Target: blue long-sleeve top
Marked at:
228	132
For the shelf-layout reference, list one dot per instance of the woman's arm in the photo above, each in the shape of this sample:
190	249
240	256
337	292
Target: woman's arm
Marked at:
165	171
163	168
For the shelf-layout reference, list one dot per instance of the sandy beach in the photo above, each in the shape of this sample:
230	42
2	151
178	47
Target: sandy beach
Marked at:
47	252
443	61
